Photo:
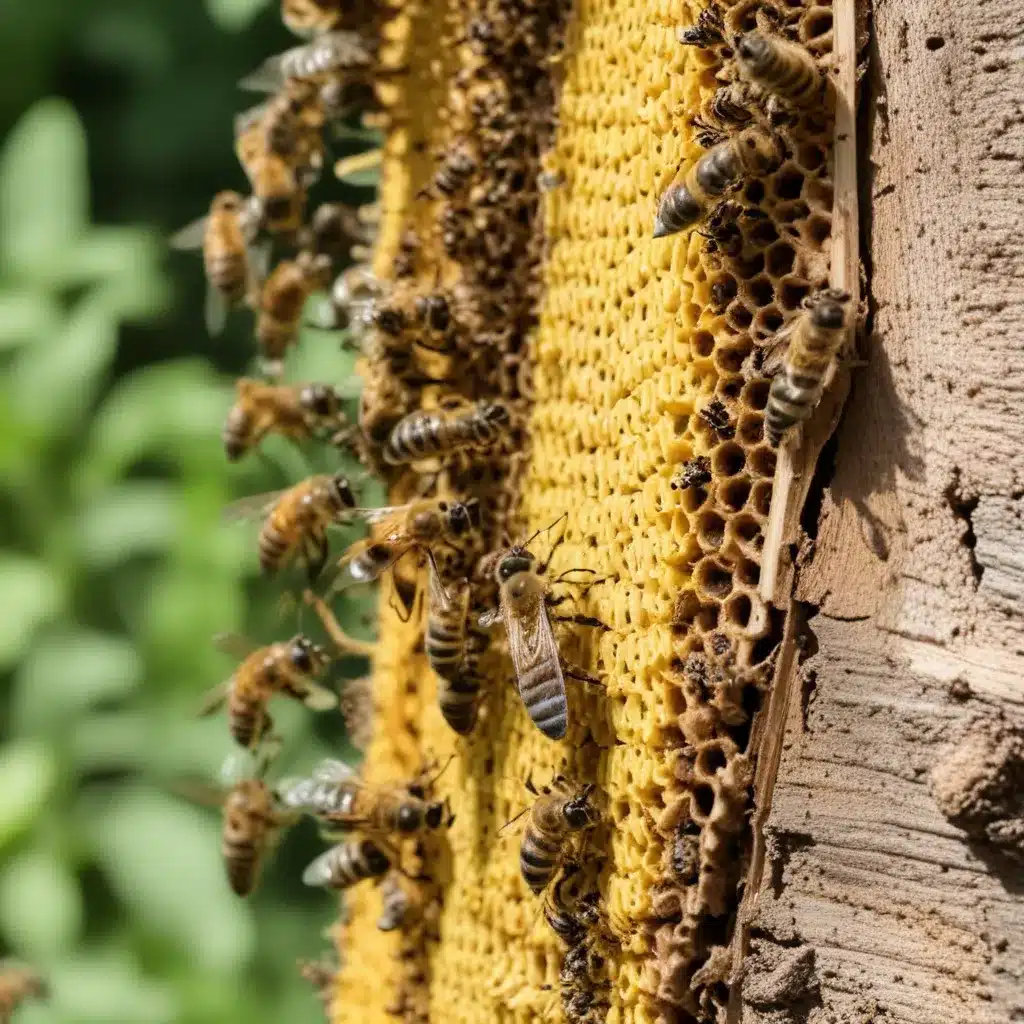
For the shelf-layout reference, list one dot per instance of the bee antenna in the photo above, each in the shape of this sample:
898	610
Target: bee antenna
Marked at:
512	821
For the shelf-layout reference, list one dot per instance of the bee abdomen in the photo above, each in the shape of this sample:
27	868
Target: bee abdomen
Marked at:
346	864
417	436
371	563
677	209
458	701
273	547
538	858
235	434
227	273
444	642
240	862
791	399
717	169
543	695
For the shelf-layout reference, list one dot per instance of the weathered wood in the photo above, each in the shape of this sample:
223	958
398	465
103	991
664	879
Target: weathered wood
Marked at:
873	905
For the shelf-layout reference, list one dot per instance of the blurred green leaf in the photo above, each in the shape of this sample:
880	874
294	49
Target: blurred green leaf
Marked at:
112	741
53	385
67	672
40	905
26	315
163	409
137	517
44	191
31	595
164	861
109	988
235	15
28	774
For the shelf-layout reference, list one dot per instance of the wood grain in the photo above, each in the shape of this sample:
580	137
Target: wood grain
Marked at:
871	905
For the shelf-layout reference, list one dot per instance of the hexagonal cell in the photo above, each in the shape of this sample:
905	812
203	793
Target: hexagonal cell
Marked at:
737	611
755	394
816	230
819	193
702	343
767	322
702	803
753	191
750	429
729	389
710	530
815	30
761	497
761	232
762	460
748	572
746	530
712	579
810	157
730	359
788	182
742	17
761	290
723	291
749	266
692	499
733	493
779	259
739	316
712	757
727	459
791	211
792	291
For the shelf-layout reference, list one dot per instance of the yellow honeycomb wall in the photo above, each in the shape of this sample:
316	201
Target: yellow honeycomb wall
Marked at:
645	358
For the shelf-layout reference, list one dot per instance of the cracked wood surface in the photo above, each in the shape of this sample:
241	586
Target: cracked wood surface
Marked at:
872	905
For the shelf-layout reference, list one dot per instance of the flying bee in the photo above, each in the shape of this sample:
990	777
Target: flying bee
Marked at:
430	434
690	196
289	668
780	67
279	198
295	411
350	862
429	524
330	56
815	339
19	983
225	236
559	812
280	304
523	609
339	799
296	520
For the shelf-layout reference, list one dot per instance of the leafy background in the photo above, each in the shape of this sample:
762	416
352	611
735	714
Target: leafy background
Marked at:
114	569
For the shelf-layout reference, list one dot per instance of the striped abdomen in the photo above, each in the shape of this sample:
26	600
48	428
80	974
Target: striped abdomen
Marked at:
247	716
238	435
278	538
227	269
797	388
247	815
554	815
369	564
424	435
780	67
346	864
542	688
445	637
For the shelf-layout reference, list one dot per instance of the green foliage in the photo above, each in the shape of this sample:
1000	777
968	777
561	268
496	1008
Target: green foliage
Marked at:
115	568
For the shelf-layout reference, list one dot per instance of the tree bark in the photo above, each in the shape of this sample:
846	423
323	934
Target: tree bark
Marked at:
892	887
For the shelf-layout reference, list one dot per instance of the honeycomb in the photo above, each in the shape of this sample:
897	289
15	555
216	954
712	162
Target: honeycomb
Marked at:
635	367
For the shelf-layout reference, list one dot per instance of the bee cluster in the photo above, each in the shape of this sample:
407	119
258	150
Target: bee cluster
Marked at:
445	320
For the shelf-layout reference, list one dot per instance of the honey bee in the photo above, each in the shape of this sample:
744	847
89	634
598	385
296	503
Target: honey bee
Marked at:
339	799
457	167
557	813
295	411
280	304
813	342
347	864
323	60
296	520
453	651
425	435
278	197
777	66
288	668
427	524
396	904
523	609
18	983
708	30
559	909
225	236
690	196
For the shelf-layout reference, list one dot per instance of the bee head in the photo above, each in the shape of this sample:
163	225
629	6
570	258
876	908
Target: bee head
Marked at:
516	560
828	308
752	46
230	202
343	490
318	399
410	818
579	812
495	413
305	655
459	519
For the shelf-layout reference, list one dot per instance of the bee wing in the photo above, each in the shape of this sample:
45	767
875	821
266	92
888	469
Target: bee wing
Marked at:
191	236
198	792
534	652
267	77
357	166
376	515
249	117
332	770
255	506
319	698
236	645
215	311
258	257
214	700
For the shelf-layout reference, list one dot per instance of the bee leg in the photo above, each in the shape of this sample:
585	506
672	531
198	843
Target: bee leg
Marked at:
575	672
583	620
316	556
